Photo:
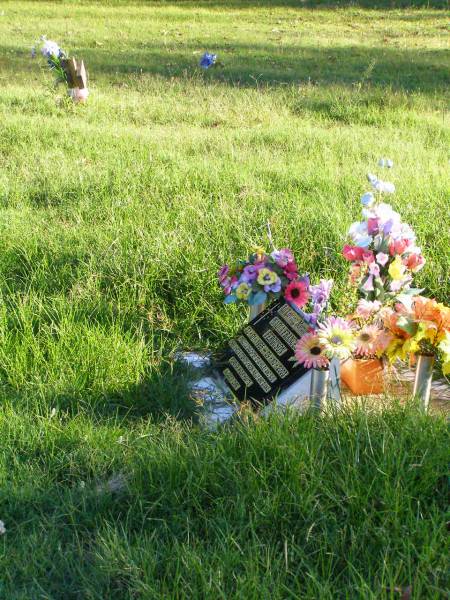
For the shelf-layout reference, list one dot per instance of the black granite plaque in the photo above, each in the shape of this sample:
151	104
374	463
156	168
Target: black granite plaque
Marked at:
257	363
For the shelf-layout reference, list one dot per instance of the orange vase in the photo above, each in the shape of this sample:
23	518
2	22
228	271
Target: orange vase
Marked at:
363	375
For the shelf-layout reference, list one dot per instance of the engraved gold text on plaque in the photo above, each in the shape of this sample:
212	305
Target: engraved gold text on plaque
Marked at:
284	332
265	351
294	320
250	366
274	342
240	371
268	373
231	379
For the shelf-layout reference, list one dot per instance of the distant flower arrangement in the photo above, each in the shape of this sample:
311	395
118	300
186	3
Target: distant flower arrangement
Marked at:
383	255
67	70
208	60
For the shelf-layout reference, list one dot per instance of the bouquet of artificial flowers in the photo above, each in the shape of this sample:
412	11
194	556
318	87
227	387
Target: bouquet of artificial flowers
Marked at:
264	277
67	70
54	56
383	255
420	326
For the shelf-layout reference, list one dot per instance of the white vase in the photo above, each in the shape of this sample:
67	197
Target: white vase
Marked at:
77	94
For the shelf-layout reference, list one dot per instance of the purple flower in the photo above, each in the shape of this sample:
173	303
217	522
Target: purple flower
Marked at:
223	273
275	287
320	294
249	274
208	60
282	257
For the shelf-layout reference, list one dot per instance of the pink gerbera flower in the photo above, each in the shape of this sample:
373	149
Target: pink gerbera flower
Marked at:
297	293
366	340
309	352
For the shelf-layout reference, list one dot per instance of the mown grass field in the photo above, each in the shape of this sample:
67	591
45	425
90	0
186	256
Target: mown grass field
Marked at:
114	218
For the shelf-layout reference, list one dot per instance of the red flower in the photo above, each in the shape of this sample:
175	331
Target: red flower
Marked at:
291	271
414	262
297	293
398	247
352	253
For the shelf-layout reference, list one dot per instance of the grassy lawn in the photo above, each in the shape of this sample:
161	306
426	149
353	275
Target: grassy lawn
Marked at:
114	217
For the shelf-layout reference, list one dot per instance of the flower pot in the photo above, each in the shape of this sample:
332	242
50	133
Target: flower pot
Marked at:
318	389
363	376
423	378
255	310
78	94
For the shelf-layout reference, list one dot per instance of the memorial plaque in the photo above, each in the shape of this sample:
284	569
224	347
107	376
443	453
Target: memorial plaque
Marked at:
259	361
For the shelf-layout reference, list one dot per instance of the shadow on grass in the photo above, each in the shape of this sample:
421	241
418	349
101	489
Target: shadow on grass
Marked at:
253	65
299	4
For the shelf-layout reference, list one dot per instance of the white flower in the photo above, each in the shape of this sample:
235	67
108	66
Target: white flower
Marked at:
50	49
367	199
386	162
372	178
2	528
386	213
383	186
382	258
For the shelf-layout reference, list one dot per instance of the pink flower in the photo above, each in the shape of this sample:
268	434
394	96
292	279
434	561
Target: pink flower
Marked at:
366	309
297	293
382	258
374	269
372	226
352	253
368	257
414	262
309	352
368	284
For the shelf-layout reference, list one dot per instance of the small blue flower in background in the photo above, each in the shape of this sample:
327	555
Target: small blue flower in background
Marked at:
207	60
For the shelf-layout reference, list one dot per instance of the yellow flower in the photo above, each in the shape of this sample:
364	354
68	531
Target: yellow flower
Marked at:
267	277
444	347
259	251
397	269
243	291
396	350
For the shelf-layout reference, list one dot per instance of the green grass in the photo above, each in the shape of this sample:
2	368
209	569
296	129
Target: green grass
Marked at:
114	217
347	507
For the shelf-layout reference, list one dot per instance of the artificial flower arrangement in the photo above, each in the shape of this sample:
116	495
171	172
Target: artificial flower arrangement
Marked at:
383	254
419	326
67	70
263	278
